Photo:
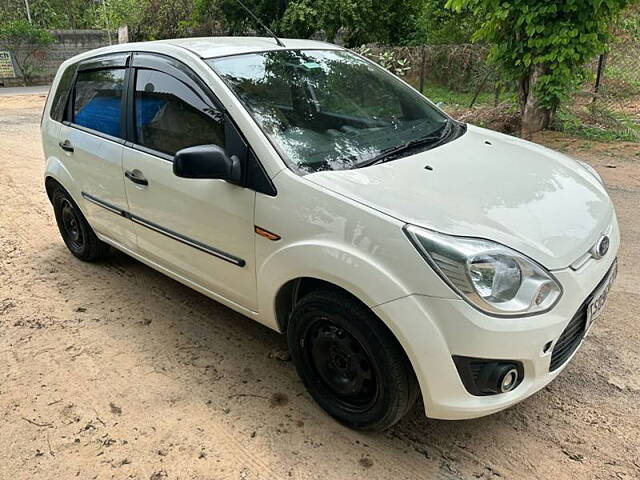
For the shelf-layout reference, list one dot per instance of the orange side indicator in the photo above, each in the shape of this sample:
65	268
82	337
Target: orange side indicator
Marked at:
266	233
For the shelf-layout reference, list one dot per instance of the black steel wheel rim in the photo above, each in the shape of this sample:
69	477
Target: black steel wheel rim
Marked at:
342	365
71	224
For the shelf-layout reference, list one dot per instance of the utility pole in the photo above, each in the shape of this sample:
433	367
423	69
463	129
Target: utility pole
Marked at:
26	4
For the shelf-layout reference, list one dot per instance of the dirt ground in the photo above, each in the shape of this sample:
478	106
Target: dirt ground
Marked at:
112	370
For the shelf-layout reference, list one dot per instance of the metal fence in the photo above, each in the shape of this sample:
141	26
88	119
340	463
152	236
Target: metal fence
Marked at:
612	82
615	82
458	67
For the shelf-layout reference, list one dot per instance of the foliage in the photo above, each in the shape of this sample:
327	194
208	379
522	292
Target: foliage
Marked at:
385	22
116	13
362	21
460	67
24	40
386	59
300	19
436	25
164	19
554	38
12	10
69	14
628	26
355	22
21	33
598	124
155	18
74	14
447	97
233	19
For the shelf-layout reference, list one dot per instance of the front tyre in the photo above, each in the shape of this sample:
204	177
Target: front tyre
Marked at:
350	362
74	228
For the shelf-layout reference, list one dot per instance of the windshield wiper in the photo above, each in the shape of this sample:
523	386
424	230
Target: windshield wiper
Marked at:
391	153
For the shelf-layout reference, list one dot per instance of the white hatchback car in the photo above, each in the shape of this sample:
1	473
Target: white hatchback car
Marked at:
309	189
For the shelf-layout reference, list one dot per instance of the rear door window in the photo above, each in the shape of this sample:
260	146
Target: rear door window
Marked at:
171	116
98	100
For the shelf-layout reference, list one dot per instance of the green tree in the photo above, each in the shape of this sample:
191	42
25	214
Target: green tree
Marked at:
24	40
438	25
234	20
52	14
12	10
544	46
113	14
389	22
63	14
164	19
382	21
300	19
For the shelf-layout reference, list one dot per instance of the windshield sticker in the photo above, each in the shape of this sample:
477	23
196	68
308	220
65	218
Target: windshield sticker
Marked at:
311	65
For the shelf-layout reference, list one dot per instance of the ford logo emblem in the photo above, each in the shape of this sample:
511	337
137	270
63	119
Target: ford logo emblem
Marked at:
601	247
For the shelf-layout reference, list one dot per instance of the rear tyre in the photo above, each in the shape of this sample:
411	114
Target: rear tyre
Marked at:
76	232
350	362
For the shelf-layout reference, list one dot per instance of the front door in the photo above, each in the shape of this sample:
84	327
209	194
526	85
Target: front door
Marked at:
200	229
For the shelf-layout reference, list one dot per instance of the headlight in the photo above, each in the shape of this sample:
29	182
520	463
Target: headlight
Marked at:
491	277
591	170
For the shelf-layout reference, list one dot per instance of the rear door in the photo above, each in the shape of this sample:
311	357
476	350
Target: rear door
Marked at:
92	140
200	229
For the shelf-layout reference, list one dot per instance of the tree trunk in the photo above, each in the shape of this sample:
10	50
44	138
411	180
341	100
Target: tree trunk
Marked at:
534	116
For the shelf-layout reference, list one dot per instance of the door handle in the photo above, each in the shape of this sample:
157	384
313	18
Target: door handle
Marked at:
66	146
139	180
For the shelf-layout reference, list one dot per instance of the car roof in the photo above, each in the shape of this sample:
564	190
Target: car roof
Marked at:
209	47
206	47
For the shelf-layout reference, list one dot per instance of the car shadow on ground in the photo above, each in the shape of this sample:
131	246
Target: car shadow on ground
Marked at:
260	390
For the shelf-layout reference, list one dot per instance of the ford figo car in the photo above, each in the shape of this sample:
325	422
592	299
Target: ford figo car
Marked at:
400	251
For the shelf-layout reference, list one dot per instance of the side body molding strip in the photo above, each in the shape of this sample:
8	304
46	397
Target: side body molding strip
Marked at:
165	231
103	204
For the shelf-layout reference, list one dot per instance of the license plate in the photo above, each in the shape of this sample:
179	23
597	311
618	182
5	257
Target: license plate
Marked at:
599	300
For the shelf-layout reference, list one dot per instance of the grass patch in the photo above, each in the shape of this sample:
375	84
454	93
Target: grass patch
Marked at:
591	121
599	124
441	94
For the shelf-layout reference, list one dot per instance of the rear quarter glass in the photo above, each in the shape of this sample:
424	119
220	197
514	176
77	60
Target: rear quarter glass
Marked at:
62	93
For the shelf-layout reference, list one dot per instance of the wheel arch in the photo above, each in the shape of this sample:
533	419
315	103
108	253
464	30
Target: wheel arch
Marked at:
50	184
287	271
294	290
56	174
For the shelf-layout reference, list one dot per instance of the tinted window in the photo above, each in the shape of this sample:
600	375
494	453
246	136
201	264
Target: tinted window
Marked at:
98	100
62	94
171	116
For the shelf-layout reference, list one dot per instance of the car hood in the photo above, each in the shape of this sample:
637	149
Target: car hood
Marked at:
488	185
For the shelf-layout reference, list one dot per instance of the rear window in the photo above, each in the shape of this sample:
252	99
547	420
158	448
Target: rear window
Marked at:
62	94
97	102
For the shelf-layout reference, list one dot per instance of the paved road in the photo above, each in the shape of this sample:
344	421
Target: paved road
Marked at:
34	90
112	370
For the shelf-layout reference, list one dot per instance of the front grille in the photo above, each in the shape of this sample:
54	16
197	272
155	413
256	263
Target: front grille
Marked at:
570	339
574	332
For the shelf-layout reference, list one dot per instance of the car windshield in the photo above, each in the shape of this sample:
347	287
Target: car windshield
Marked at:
329	109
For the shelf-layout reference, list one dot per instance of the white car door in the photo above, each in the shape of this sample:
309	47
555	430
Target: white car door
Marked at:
92	139
200	229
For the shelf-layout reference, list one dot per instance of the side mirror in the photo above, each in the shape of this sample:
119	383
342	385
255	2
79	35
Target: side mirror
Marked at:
207	161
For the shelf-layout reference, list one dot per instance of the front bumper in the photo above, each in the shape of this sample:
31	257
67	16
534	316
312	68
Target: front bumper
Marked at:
432	330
